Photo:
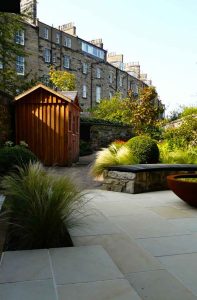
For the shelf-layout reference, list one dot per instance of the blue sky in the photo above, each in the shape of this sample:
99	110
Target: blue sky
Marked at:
160	34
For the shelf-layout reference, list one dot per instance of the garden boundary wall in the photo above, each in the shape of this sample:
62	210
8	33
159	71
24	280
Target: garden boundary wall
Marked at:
100	135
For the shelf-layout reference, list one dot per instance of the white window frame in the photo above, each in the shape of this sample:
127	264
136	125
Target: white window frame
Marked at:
20	65
46	33
20	37
98	72
110	95
92	50
85	68
68	42
57	38
66	62
54	59
47	55
98	94
84	91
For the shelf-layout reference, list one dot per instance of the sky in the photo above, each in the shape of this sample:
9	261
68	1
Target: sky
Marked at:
160	34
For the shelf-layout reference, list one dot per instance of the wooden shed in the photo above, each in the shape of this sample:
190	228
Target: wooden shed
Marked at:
48	121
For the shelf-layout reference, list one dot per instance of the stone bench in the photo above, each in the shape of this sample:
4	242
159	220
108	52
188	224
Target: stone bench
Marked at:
141	178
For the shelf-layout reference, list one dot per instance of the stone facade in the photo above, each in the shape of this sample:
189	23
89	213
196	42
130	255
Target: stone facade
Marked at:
135	183
103	135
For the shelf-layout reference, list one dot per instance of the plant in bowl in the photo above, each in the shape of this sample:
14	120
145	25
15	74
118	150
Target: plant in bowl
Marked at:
184	186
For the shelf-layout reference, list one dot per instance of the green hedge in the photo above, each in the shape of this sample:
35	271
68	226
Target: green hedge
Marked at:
10	157
144	149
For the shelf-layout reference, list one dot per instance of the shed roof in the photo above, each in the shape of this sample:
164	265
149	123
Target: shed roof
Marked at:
70	94
42	86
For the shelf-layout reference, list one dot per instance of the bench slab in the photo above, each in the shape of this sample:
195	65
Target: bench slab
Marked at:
141	178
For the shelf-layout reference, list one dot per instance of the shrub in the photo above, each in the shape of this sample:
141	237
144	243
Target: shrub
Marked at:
10	157
144	149
113	155
177	156
40	207
85	148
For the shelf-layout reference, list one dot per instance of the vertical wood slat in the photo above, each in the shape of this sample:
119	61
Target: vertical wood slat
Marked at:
42	121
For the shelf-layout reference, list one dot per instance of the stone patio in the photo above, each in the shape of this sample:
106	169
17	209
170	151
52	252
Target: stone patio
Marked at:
130	246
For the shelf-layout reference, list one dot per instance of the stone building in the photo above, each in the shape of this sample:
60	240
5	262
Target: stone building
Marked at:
98	75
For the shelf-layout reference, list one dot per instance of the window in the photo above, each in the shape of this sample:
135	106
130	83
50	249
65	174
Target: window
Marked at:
20	65
85	68
135	89
84	94
54	58
110	77
1	64
57	38
47	55
92	50
46	33
98	93
20	37
66	62
110	95
67	42
120	80
98	72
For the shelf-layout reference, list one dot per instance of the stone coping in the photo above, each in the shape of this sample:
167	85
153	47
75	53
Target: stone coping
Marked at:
153	167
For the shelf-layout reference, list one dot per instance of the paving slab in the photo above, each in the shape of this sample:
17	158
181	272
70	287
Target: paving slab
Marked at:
25	265
118	289
82	264
171	212
31	290
125	252
189	224
143	223
159	285
170	245
94	224
184	267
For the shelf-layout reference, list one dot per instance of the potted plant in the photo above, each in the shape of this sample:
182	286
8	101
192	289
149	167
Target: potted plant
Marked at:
184	186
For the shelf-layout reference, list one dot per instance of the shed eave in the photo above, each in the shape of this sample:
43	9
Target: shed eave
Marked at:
40	85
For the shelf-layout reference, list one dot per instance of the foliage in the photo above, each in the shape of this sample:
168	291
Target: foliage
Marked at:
63	80
112	155
93	121
188	111
182	136
40	207
9	25
110	109
177	155
144	149
142	113
10	157
85	148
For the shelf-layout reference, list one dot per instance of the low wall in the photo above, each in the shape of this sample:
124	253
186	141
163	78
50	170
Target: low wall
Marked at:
103	135
134	183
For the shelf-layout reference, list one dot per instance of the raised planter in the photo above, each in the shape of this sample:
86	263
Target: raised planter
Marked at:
184	188
142	178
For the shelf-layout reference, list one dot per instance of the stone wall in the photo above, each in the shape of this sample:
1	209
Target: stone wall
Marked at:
135	183
101	135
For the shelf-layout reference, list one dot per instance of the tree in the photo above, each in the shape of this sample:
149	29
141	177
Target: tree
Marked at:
141	113
144	112
10	24
63	80
110	109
